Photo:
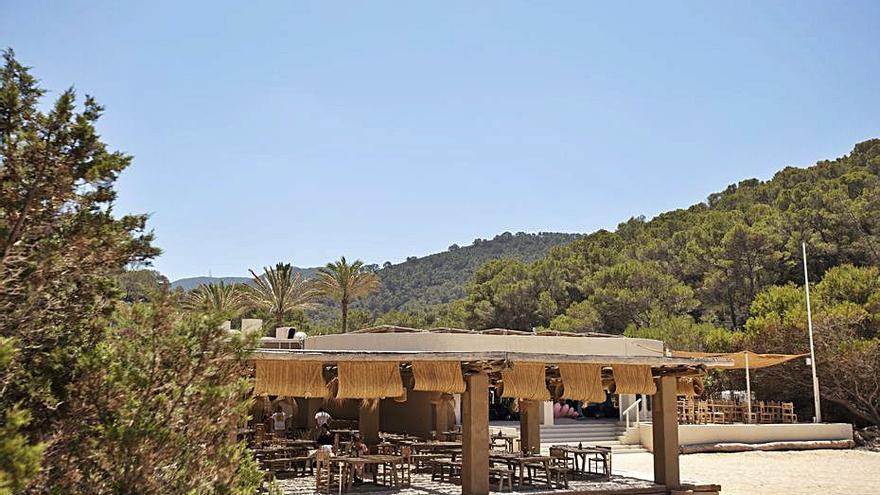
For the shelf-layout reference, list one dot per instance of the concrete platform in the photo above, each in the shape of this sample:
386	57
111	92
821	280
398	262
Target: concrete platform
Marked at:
807	434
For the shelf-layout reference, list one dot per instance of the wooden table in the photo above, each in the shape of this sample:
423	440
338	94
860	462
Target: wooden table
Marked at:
303	443
344	433
514	460
582	453
433	446
508	440
454	435
370	460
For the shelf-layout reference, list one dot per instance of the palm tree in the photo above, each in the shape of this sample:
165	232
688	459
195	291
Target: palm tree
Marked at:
346	283
280	291
215	298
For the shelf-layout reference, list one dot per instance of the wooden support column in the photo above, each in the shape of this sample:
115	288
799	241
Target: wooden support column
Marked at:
312	406
368	424
665	433
530	425
475	436
441	419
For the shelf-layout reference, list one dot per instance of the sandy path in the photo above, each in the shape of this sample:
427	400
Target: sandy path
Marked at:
849	472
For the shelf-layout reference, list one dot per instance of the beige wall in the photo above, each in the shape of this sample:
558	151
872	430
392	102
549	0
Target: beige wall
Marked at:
450	342
413	417
743	433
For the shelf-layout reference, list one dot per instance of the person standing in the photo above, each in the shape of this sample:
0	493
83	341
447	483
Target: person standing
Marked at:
322	418
279	423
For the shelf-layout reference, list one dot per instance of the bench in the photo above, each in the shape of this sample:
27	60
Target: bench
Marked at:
297	466
503	474
444	470
558	476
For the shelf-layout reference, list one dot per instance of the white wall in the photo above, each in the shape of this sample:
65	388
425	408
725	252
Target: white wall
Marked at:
744	433
452	342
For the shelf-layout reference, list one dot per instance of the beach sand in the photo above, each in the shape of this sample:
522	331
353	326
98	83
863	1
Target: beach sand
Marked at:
813	472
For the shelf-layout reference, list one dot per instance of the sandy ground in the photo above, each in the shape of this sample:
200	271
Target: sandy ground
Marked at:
849	472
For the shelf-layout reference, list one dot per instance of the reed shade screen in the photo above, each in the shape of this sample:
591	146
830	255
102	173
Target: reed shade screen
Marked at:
525	381
581	381
438	376
402	397
689	386
633	379
369	380
739	358
290	378
370	404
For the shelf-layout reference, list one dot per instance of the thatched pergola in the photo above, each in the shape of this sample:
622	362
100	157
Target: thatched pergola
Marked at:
385	362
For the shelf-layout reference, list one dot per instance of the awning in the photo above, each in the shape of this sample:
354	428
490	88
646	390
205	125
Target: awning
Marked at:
755	360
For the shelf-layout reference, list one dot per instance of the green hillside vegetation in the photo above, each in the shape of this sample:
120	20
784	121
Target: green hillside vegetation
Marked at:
722	275
708	261
442	277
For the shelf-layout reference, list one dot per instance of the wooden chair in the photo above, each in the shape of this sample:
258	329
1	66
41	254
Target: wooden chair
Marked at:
323	471
444	470
702	412
765	414
788	414
405	471
259	434
561	458
503	475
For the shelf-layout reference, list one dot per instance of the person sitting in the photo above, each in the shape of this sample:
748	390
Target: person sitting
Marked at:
325	439
358	448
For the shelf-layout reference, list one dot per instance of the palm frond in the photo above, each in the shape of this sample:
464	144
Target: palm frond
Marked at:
281	291
215	298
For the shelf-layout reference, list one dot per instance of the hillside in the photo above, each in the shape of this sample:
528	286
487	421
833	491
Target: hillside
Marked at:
436	278
708	262
442	277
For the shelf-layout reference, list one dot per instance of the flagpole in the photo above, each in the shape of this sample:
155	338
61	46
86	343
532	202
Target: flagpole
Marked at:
748	390
817	405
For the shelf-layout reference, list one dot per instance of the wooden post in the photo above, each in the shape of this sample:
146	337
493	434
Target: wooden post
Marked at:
368	424
530	426
312	406
475	436
665	433
441	419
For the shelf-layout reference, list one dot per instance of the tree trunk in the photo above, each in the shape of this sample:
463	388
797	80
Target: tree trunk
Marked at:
344	305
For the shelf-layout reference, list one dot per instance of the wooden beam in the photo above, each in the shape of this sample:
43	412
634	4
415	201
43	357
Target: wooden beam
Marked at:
334	356
368	424
441	419
475	436
665	433
530	425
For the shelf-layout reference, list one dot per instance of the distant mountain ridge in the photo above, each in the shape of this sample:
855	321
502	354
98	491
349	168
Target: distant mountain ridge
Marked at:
191	283
435	278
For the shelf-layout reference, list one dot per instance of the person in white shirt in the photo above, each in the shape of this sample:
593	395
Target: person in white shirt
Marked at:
322	418
279	422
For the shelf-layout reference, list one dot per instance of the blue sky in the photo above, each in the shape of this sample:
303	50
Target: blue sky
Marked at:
302	131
